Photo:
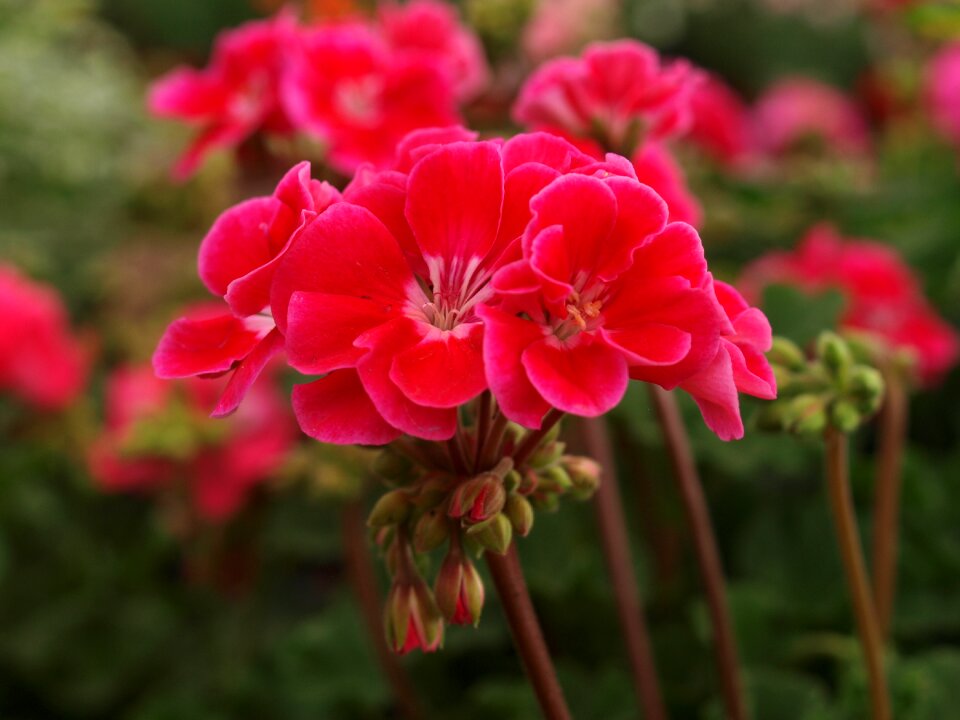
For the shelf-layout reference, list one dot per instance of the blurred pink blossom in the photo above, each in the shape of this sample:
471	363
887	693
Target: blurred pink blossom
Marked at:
942	92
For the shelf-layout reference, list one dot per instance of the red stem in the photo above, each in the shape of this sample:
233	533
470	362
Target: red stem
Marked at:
527	636
838	484
533	439
363	580
615	542
705	546
886	517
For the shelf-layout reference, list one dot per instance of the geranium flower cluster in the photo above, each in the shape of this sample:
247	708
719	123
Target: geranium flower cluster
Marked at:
883	297
358	86
942	92
160	440
41	361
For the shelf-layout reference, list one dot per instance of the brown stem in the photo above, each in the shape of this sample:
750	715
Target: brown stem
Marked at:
527	636
886	514
363	580
615	541
705	546
854	567
489	449
533	439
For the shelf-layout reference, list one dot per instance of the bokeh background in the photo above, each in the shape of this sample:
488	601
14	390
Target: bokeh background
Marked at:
97	618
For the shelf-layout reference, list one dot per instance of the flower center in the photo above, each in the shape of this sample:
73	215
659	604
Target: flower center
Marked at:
583	313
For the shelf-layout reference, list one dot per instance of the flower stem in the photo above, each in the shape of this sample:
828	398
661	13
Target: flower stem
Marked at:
838	484
363	581
886	517
532	441
489	448
705	546
527	636
483	428
615	541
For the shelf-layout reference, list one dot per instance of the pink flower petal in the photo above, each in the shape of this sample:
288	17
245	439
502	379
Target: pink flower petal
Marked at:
322	329
716	396
454	199
580	377
336	409
504	341
237	243
445	369
247	373
204	346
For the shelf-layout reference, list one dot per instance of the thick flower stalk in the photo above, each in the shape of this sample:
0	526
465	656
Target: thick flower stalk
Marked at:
831	395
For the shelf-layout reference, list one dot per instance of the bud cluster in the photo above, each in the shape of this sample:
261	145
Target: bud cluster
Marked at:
431	506
836	387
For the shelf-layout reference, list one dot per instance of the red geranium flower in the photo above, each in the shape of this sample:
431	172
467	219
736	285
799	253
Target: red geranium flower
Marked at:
41	362
882	294
431	30
942	92
236	95
238	258
656	167
158	434
616	93
799	109
721	123
347	86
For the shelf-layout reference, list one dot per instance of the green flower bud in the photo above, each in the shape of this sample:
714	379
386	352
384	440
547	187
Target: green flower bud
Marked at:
786	354
834	354
512	481
866	388
807	414
520	513
478	499
844	416
584	475
431	530
494	535
390	509
555	479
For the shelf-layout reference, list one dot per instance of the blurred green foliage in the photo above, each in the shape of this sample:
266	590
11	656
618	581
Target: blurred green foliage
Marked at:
97	619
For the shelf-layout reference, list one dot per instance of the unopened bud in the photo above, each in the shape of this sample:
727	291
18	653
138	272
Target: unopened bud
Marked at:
584	474
787	354
494	535
520	513
547	453
844	416
432	491
555	479
431	530
834	354
459	590
866	388
807	414
390	509
512	481
393	467
478	499
412	619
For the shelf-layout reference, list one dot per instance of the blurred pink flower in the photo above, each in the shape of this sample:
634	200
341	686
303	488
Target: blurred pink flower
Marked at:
238	258
796	110
721	122
349	88
942	92
430	29
656	167
157	435
618	94
882	295
235	96
41	361
560	27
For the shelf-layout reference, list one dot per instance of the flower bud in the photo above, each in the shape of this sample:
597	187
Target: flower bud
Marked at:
866	388
786	354
459	590
431	530
412	619
584	474
512	481
555	479
390	509
494	535
807	414
844	416
834	354
478	499
520	513
393	467
547	453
